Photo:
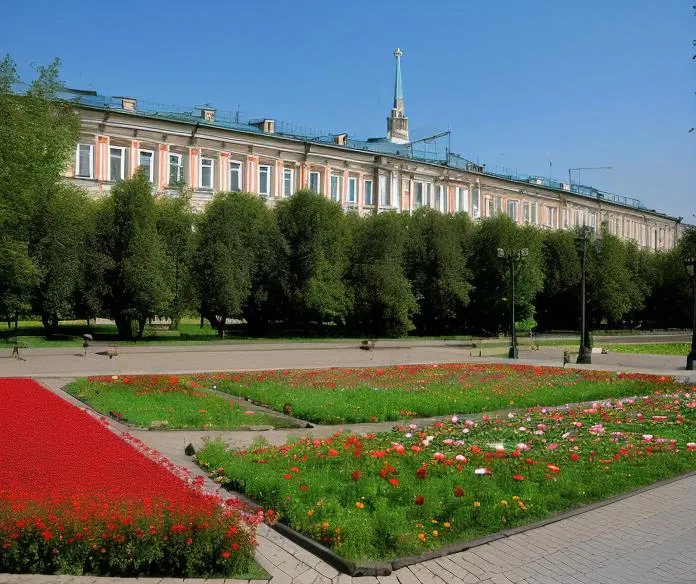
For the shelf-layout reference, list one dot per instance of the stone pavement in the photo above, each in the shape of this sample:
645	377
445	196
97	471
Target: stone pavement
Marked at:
647	538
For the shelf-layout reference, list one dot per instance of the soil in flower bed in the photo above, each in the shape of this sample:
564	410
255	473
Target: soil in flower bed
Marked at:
334	396
164	402
75	498
407	491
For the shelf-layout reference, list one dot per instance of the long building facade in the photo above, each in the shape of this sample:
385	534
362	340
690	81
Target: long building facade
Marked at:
205	151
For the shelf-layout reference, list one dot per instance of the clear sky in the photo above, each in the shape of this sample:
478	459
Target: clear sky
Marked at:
522	84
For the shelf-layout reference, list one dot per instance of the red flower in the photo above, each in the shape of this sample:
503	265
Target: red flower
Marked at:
458	492
419	500
530	461
421	472
225	554
355	475
287	476
333	452
574	456
394	482
553	468
518	477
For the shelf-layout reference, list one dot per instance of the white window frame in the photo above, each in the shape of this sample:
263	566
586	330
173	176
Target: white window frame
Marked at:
352	191
462	202
78	167
317	174
419	194
395	192
267	169
515	204
152	162
497	205
534	213
179	167
476	203
212	173
526	213
383	187
336	187
122	173
288	173
235	167
369	192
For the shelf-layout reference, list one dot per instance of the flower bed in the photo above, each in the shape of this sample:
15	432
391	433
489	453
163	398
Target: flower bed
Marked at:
407	491
165	402
75	498
332	396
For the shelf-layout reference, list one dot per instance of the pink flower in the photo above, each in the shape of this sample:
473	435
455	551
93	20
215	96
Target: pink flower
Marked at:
552	446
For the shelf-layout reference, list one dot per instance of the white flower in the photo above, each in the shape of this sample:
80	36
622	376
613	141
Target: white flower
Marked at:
408	435
465	430
482	471
522	429
496	445
455	419
522	446
511	415
462	458
412	426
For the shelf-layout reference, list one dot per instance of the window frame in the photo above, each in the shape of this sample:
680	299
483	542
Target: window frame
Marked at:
291	191
336	194
268	169
78	166
152	162
239	169
123	163
515	205
179	166
352	190
317	174
212	173
383	187
476	203
369	200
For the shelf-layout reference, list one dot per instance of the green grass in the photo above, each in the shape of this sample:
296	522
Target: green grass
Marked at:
681	349
407	491
157	402
334	396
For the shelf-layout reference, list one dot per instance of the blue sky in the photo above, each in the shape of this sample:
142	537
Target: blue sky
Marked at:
521	84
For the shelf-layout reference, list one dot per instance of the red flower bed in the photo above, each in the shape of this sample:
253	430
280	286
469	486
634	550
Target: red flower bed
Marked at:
75	498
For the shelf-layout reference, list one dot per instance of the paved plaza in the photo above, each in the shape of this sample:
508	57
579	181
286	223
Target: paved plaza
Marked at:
649	537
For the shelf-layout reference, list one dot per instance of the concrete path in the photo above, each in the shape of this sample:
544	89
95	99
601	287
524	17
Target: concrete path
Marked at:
648	538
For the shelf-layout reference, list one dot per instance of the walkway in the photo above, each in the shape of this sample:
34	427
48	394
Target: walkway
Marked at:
647	538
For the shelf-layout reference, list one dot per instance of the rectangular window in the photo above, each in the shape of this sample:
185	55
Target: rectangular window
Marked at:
440	196
83	162
534	210
206	178
314	182
395	194
383	192
234	177
145	163
176	169
512	210
551	216
462	200
288	182
117	163
336	187
368	193
490	209
420	194
264	180
475	202
428	194
352	190
525	212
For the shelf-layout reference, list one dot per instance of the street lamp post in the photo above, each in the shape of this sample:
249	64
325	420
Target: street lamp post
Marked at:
513	256
584	353
690	264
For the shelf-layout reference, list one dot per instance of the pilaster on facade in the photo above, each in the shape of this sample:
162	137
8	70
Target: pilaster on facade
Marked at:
194	167
163	166
252	173
224	171
101	158
133	157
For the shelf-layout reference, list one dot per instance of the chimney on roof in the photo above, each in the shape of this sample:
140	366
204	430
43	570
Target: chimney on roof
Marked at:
208	113
341	139
129	103
266	125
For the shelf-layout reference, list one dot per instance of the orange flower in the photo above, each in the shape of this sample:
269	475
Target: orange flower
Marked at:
360	505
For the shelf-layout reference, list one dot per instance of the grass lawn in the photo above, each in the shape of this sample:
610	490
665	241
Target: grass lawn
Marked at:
164	403
330	396
681	349
407	491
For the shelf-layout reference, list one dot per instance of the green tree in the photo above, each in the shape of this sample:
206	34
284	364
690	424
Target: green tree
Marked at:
558	303
57	249
229	243
314	230
37	139
175	222
383	303
130	264
490	307
436	266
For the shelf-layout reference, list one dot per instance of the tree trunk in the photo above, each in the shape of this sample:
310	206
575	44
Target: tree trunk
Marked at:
125	328
141	327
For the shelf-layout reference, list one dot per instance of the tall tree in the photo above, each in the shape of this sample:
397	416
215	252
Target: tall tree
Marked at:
230	243
437	269
314	229
382	301
175	222
58	244
133	278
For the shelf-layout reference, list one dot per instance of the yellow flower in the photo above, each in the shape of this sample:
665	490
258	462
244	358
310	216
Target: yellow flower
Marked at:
447	524
325	524
515	498
503	503
421	536
435	533
477	504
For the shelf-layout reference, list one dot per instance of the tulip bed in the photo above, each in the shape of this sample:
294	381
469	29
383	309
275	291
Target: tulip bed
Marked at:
75	498
407	491
165	402
334	396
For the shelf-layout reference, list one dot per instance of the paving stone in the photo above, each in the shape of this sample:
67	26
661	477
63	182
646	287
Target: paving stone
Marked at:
343	579
391	579
365	580
405	576
280	578
293	568
325	570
